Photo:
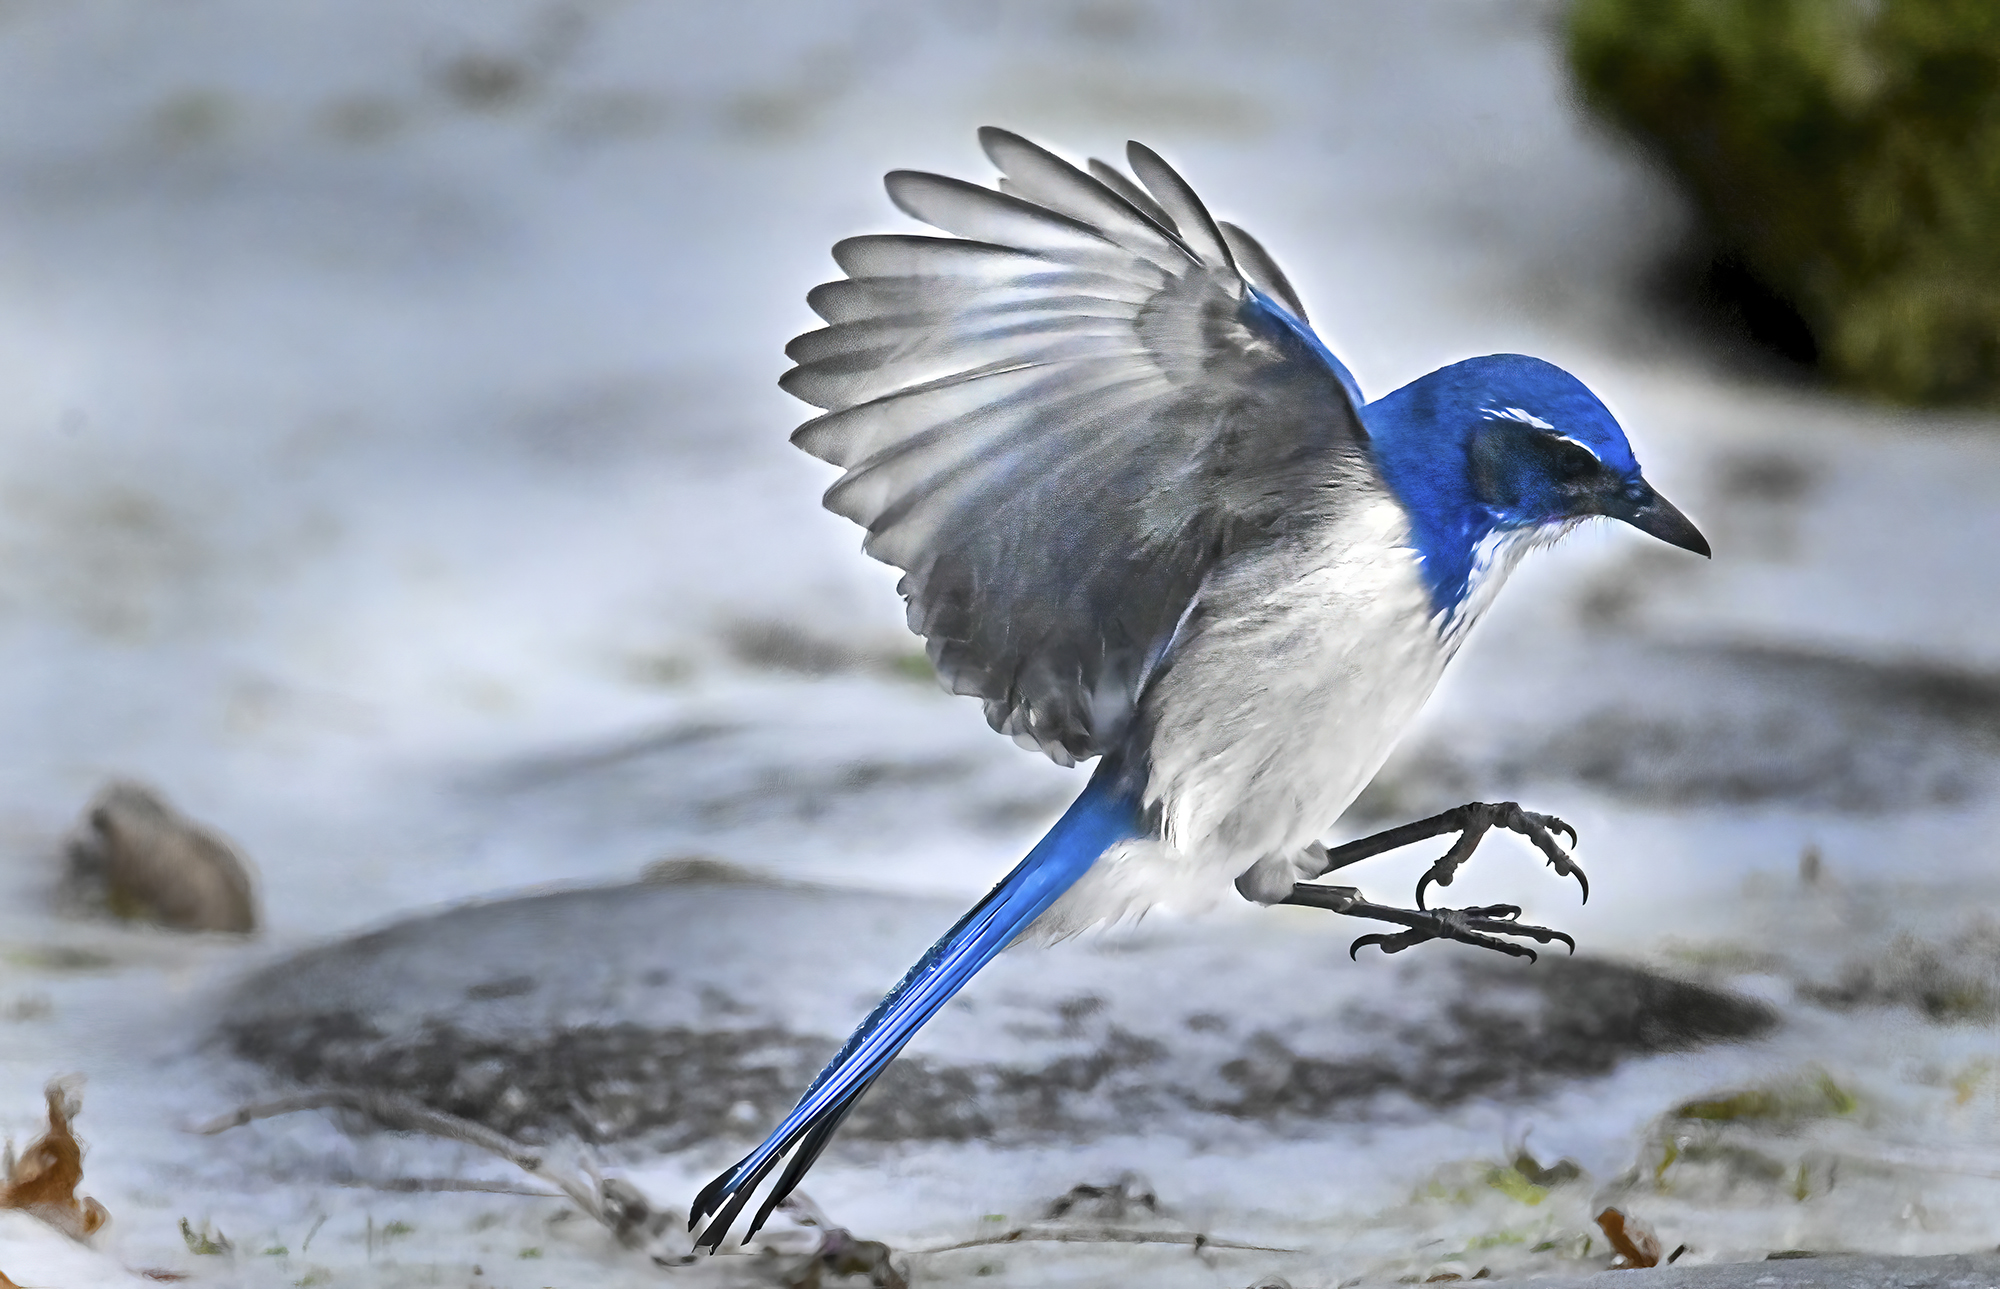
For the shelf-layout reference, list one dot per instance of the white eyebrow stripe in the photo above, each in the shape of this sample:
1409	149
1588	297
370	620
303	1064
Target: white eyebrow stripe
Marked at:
1529	418
1516	414
1585	446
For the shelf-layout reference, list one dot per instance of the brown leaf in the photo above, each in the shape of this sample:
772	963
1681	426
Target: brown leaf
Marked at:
43	1180
1634	1240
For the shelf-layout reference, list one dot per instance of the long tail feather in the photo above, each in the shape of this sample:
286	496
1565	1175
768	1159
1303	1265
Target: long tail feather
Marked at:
1102	816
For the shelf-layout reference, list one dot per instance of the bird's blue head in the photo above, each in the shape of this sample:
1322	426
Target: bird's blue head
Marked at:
1507	444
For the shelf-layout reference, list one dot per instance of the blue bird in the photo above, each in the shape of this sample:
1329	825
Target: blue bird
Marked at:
1144	515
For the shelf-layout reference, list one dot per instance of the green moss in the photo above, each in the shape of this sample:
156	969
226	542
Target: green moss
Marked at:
204	1243
1848	150
1780	1106
1516	1187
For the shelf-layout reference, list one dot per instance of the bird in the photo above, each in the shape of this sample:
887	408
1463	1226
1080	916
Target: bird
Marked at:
1146	517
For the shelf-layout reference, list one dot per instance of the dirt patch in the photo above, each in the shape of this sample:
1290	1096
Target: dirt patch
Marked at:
683	1024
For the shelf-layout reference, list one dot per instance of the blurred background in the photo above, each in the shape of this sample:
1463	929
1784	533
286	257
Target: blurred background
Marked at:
395	500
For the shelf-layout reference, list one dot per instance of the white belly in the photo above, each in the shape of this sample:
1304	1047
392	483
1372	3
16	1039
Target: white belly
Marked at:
1280	709
1297	676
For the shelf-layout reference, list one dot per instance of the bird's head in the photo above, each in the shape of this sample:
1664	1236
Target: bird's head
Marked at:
1540	449
1516	443
1506	447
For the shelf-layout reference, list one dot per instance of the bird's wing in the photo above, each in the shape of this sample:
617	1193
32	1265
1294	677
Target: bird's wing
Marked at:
1058	421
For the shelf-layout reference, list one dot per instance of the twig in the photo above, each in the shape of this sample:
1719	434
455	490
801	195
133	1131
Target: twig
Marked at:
612	1202
615	1203
1105	1235
391	1112
446	1185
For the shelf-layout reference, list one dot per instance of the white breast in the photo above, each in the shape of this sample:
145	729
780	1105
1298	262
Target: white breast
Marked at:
1302	671
1296	676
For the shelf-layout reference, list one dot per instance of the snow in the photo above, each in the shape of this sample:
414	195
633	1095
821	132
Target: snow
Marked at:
392	471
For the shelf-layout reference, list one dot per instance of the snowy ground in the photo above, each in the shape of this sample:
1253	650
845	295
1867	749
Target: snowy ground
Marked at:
391	470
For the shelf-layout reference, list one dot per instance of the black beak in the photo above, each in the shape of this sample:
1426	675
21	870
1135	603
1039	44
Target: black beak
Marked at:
1654	515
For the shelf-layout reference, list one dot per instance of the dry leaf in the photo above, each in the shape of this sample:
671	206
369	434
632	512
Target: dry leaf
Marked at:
43	1180
1634	1240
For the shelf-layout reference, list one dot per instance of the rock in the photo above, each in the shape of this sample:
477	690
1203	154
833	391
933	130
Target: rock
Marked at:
697	1006
136	857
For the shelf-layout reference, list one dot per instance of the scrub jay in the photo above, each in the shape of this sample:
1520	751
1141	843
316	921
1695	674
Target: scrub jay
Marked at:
1144	515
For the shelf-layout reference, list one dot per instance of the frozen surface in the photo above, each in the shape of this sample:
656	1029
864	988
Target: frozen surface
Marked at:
391	470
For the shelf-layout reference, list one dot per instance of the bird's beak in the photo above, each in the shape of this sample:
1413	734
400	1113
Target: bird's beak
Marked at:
1654	515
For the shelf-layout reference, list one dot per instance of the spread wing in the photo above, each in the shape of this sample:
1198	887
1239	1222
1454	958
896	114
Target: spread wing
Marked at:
1059	420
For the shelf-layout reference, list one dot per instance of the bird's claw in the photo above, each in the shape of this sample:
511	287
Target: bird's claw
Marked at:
1541	830
1405	939
1467	926
1476	818
1480	926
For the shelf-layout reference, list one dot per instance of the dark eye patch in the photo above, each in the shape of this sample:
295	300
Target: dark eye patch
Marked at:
1560	459
1571	461
1513	463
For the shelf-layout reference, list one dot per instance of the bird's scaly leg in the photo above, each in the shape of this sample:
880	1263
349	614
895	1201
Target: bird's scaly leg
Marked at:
1471	822
1475	926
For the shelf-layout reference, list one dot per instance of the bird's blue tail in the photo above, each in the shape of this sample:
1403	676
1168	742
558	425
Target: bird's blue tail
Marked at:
1105	814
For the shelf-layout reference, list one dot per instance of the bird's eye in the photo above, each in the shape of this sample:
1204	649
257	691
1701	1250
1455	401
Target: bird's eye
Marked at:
1573	460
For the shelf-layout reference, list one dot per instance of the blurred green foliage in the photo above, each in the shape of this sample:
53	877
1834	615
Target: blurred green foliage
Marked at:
1847	150
1784	1106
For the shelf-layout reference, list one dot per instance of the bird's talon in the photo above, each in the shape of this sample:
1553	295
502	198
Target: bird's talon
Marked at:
1478	926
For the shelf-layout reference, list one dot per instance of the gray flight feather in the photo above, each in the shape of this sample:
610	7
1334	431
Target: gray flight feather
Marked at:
1060	421
1261	269
1180	203
1141	200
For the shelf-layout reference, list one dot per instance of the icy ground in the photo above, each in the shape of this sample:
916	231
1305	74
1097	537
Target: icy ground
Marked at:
391	470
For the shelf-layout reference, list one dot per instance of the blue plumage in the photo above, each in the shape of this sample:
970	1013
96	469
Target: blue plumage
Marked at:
1474	449
1105	813
1144	514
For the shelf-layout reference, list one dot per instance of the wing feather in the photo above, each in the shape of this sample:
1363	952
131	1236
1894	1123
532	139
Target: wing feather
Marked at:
1261	269
936	301
989	216
1114	179
1059	421
1040	176
1196	226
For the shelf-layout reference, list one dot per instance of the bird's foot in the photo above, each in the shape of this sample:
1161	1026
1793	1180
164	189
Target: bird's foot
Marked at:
1479	816
1479	926
1471	821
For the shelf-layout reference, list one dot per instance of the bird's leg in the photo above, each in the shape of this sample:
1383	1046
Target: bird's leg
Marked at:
1475	926
1471	822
